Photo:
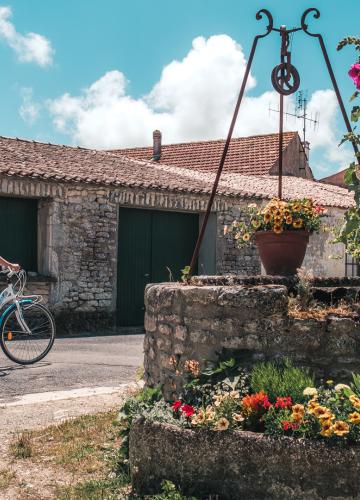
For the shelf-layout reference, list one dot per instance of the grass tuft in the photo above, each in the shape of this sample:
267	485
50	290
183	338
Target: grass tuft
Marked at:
22	446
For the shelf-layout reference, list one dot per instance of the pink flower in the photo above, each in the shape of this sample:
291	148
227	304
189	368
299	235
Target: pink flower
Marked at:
354	73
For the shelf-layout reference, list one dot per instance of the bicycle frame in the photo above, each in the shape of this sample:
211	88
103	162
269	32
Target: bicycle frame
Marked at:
15	298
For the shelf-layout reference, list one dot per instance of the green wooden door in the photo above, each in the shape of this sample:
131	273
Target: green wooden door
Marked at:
153	246
18	241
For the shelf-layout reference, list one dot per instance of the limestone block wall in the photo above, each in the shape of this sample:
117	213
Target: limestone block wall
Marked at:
78	239
199	322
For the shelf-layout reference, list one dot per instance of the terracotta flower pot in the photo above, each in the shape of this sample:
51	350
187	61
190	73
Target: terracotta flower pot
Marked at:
282	254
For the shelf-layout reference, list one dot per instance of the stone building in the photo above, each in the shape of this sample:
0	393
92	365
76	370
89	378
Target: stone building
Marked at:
92	228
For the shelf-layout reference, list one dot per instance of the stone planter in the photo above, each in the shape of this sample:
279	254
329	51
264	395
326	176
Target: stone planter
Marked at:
282	254
240	465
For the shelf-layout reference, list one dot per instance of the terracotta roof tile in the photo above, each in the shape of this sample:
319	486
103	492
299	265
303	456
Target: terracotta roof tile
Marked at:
21	158
254	155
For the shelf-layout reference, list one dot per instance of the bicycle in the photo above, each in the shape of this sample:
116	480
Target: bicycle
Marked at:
27	327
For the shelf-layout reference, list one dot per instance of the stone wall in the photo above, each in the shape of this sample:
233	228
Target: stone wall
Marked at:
77	247
198	322
230	465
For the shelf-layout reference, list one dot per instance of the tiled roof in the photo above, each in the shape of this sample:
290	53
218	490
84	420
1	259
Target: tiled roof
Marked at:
253	155
335	179
20	158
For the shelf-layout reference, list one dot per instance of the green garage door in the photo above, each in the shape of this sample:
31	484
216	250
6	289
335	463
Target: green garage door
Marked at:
152	246
18	241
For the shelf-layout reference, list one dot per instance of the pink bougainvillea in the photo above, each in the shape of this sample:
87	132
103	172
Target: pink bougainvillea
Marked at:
354	73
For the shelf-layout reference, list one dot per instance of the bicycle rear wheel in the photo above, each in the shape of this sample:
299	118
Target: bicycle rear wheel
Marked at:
27	348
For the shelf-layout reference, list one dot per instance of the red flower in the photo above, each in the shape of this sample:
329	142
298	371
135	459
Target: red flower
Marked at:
188	410
286	425
319	209
283	402
294	426
256	402
176	405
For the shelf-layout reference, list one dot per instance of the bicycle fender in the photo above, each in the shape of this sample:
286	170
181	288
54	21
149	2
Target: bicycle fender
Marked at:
11	307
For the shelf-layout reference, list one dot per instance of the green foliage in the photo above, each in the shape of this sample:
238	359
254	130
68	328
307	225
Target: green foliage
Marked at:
185	274
132	408
355	385
217	377
281	380
170	492
349	233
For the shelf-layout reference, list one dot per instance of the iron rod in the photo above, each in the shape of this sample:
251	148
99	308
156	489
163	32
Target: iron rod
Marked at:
337	92
281	131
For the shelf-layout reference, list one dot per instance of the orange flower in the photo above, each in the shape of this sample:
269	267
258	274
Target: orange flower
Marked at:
354	418
341	428
277	229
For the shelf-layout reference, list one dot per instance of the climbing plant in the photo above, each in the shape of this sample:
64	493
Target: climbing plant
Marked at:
349	233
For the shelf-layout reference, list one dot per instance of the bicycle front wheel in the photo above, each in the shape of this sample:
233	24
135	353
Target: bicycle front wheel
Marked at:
27	348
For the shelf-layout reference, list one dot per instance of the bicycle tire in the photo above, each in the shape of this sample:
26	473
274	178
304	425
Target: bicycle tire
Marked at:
5	328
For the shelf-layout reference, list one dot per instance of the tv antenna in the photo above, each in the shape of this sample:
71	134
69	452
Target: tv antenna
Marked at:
301	113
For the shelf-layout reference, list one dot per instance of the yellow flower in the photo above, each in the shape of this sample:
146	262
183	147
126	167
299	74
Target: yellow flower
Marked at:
297	207
246	237
341	428
277	229
289	220
267	217
329	382
298	409
310	391
238	417
354	400
222	424
326	428
256	223
277	219
321	412
354	418
297	224
340	387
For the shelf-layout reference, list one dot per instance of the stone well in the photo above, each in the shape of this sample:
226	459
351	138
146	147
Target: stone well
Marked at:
232	465
249	316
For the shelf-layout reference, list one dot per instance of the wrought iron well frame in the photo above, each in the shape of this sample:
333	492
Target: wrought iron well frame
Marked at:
285	80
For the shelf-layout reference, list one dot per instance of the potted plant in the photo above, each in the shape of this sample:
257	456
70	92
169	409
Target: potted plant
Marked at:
281	231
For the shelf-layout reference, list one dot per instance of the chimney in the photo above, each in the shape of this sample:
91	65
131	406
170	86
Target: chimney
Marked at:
306	146
156	145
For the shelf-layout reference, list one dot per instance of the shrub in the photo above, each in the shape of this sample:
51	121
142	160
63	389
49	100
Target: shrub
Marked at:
281	380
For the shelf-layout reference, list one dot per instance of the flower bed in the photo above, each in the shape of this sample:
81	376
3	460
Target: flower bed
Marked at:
232	430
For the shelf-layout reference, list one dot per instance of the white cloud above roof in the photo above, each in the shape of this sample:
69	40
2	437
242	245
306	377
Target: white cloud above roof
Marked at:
30	47
193	100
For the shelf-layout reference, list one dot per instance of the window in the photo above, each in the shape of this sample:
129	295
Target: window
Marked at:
351	266
18	240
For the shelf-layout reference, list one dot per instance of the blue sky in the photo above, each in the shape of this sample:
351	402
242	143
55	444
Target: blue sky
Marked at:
132	43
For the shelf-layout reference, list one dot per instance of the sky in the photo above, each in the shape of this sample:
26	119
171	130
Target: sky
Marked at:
106	73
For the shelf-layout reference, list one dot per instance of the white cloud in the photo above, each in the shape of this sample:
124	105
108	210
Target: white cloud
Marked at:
29	109
193	99
30	47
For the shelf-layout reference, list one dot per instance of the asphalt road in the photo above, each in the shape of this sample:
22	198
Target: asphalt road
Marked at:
74	363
